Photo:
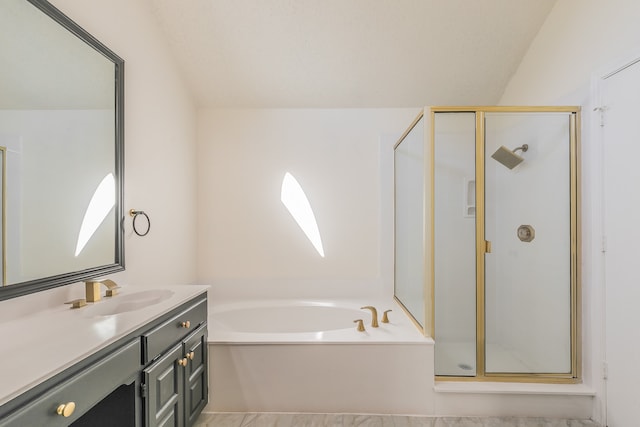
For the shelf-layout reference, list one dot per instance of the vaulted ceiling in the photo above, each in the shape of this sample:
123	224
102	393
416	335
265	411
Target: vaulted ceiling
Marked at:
348	53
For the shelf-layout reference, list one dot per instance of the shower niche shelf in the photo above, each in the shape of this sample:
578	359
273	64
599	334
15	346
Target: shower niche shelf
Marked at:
469	198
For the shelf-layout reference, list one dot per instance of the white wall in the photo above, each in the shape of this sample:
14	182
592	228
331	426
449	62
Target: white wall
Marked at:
249	245
159	145
579	38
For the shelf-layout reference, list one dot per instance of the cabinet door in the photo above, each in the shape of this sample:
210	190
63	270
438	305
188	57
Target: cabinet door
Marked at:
196	378
164	382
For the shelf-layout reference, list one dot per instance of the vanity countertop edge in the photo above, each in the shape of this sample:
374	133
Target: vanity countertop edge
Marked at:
45	343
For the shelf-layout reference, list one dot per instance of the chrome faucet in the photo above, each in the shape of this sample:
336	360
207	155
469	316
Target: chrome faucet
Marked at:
374	315
92	288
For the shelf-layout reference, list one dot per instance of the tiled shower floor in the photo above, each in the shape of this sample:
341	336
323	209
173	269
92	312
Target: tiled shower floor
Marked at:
452	358
352	420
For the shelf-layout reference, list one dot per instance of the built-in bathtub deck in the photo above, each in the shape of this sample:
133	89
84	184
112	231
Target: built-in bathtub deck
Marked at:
308	321
276	370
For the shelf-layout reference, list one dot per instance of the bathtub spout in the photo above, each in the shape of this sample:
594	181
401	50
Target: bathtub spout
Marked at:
360	326
374	315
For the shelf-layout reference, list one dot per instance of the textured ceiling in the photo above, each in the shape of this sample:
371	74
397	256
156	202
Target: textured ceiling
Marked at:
348	53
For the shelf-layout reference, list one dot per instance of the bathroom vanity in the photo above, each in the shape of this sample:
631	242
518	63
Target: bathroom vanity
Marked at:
136	359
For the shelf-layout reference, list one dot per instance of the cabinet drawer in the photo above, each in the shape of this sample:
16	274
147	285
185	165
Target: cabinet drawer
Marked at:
173	330
84	389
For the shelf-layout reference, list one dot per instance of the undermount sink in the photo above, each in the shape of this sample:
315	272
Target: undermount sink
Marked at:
127	302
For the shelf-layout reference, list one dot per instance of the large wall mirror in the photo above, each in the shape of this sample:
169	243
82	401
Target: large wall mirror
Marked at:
61	146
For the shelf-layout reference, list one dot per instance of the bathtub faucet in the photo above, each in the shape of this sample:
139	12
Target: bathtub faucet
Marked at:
374	315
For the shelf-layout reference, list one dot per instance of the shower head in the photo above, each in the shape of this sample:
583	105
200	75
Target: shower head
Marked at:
509	158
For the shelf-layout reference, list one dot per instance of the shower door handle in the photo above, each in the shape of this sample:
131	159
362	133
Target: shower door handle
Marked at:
487	247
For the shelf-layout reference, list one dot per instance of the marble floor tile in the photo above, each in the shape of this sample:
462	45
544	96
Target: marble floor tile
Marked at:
220	420
267	420
317	420
404	421
351	420
359	420
460	422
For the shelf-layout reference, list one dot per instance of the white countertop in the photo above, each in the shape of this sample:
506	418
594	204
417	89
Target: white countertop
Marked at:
38	346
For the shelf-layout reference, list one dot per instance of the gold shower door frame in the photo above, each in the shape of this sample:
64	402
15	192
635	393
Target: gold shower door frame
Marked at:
482	245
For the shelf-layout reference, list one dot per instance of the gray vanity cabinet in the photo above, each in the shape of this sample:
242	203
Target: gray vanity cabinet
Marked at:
175	387
69	400
196	378
153	376
176	384
164	397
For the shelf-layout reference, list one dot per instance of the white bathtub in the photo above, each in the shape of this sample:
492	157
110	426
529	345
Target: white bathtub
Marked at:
307	356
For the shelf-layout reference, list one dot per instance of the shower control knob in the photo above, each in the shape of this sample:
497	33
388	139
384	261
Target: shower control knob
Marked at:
526	233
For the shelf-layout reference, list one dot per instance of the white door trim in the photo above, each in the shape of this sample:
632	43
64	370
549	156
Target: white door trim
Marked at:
597	258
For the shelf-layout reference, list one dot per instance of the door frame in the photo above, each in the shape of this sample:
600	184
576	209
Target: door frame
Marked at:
598	318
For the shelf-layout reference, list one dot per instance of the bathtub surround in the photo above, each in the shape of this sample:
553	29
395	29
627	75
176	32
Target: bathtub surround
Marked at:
260	351
358	420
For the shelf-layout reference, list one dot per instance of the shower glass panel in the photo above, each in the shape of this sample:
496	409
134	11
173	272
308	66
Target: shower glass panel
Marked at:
409	170
455	240
528	222
503	248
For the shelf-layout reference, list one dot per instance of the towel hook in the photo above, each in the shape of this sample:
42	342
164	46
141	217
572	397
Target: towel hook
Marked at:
134	213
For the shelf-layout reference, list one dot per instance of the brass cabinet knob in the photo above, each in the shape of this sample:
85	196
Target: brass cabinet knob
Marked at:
190	355
66	409
186	324
183	362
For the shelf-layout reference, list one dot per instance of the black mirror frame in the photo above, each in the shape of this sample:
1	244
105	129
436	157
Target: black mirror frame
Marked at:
42	284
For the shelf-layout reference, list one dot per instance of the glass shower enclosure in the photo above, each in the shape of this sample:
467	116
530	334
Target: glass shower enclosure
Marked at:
493	275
